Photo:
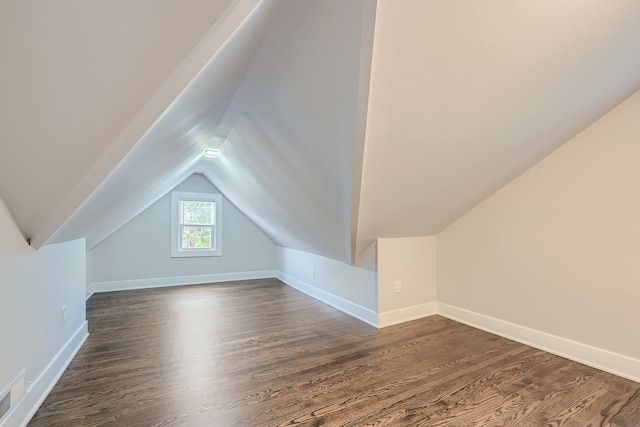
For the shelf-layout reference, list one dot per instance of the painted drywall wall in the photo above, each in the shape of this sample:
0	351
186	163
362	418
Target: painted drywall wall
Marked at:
33	334
412	262
558	249
141	249
89	273
11	240
350	288
366	290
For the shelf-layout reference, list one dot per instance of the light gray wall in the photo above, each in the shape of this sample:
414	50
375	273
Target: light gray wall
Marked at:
558	249
33	335
412	262
11	240
350	288
141	249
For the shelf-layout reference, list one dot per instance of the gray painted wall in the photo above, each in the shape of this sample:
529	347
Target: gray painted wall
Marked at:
141	249
35	337
350	288
557	250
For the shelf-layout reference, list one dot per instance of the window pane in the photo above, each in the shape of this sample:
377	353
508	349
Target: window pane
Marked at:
193	237
197	212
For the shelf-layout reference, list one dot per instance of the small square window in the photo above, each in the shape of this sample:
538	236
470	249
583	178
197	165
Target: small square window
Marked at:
195	224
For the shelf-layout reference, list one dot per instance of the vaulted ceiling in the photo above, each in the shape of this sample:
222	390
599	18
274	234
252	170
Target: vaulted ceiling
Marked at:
80	83
466	95
332	132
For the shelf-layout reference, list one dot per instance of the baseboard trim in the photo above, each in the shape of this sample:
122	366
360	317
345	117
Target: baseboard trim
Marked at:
35	394
161	282
598	358
395	317
89	291
348	307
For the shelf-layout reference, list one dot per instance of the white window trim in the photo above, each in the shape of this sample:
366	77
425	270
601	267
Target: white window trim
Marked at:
176	250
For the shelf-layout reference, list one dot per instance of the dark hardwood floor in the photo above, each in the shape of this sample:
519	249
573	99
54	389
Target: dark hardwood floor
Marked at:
259	353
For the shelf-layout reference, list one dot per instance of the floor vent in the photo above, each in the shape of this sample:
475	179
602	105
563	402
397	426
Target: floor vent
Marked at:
11	395
5	403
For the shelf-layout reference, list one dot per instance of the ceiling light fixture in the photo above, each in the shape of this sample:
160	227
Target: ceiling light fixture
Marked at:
211	153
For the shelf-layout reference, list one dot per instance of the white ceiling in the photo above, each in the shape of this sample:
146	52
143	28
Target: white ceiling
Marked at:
288	162
74	75
172	147
460	98
466	95
287	145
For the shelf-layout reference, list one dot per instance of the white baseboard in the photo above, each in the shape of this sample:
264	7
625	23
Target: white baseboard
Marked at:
25	409
352	309
598	358
395	317
604	360
90	291
341	304
125	285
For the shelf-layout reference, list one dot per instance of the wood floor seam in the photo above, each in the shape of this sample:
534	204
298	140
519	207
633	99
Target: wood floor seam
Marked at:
259	353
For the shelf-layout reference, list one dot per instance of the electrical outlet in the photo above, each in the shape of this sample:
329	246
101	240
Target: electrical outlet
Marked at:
63	312
313	275
398	286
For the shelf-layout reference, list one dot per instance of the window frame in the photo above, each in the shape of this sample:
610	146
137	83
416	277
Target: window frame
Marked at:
176	247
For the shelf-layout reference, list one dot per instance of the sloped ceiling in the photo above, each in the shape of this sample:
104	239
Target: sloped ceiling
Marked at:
466	95
74	76
172	147
297	126
282	100
459	98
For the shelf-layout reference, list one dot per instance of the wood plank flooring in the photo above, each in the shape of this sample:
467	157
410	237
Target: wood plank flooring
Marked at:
259	353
